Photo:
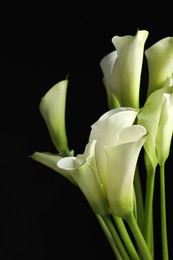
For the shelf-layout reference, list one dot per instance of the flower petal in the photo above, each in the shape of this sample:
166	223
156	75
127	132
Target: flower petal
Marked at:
86	177
131	134
107	64
110	124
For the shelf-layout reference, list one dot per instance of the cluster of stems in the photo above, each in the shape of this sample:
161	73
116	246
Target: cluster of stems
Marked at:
132	237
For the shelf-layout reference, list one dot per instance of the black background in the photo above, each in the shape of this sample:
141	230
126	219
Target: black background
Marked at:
42	214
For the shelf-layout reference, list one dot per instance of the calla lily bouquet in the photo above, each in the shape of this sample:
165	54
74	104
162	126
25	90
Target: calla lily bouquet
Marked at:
108	172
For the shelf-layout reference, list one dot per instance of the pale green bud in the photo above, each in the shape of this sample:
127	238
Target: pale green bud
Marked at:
160	63
157	117
52	108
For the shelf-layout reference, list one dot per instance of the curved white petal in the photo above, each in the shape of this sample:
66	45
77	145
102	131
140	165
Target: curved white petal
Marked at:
107	64
85	174
109	125
131	134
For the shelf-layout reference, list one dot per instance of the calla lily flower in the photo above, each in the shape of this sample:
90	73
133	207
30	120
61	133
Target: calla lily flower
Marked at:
120	189
83	170
117	149
160	63
106	131
157	117
122	70
52	108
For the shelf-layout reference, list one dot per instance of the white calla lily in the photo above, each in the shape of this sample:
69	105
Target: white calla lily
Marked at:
83	170
117	149
160	63
121	164
122	70
106	131
52	108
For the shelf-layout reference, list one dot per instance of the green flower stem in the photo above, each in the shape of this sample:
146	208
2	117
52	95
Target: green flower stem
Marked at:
139	198
163	213
142	246
148	216
109	237
126	238
113	237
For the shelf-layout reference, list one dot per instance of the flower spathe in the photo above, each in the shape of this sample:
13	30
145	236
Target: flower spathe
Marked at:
122	70
83	170
165	127
160	63
106	131
52	108
157	117
121	164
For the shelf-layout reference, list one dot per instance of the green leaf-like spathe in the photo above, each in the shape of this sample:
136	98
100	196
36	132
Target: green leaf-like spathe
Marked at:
52	108
122	69
160	63
156	117
50	160
83	170
165	130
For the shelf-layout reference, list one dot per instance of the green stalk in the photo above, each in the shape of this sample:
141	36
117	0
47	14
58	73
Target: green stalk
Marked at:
126	238
148	215
142	246
109	237
163	213
139	198
113	237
